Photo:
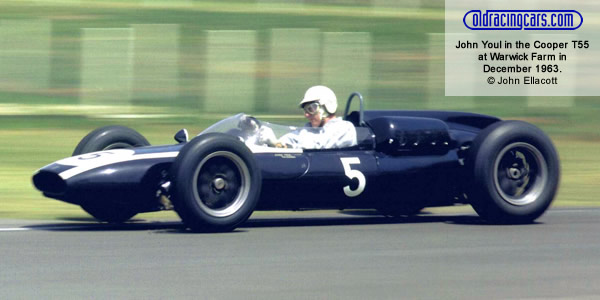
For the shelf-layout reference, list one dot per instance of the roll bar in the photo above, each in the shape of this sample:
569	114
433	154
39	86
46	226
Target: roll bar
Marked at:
361	121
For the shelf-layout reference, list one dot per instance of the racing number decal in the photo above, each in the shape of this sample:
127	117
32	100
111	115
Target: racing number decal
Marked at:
362	181
93	155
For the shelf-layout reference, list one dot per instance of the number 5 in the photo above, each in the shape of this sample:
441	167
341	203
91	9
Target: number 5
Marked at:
346	162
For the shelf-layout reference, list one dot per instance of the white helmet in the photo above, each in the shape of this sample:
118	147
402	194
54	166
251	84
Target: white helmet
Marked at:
323	95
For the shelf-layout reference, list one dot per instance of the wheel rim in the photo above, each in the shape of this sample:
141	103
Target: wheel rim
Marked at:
221	183
520	173
118	145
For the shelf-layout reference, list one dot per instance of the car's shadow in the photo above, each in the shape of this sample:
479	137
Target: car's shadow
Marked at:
298	220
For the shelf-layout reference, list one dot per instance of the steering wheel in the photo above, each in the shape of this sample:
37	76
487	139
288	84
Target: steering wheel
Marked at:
249	124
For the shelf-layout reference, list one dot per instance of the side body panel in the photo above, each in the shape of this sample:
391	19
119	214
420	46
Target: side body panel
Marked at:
364	179
331	176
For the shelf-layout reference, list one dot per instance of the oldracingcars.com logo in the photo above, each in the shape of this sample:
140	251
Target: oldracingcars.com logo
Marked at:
523	20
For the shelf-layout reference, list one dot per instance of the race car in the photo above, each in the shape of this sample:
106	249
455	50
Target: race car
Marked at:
403	162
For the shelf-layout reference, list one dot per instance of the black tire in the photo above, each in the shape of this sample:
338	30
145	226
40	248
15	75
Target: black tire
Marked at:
516	173
107	138
215	183
110	137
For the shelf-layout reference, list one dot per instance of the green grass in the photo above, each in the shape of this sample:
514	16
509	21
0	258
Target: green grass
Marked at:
395	34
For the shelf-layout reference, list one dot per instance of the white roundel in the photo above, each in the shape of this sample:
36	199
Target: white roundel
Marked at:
97	158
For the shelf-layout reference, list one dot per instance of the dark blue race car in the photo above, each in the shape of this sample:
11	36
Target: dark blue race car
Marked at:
404	161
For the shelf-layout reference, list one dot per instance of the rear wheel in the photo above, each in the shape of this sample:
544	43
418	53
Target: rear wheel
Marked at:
216	183
516	172
108	138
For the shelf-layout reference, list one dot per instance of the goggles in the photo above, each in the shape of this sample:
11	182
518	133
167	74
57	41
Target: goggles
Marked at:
311	108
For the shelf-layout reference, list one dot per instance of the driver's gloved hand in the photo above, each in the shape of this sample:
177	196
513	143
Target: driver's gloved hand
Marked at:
267	136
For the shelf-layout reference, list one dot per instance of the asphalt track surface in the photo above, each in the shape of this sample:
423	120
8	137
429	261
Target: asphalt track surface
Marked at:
306	255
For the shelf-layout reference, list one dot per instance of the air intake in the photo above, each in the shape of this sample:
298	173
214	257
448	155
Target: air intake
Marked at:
49	183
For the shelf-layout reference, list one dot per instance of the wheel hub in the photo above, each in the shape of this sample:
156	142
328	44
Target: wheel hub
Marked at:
514	173
219	184
520	173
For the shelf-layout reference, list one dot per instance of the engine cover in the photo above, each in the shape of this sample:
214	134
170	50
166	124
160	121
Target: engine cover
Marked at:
410	135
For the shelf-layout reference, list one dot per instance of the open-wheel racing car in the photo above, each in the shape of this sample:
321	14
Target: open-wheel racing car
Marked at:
403	162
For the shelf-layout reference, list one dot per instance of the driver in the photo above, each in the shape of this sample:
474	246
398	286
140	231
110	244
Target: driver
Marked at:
324	129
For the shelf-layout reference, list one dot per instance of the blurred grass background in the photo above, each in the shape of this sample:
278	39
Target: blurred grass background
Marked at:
67	67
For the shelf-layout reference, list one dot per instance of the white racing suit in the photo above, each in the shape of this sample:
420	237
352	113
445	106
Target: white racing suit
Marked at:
336	133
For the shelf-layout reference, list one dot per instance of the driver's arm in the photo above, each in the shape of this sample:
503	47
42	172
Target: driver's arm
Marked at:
267	137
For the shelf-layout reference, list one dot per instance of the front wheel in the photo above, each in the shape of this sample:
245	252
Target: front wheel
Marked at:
109	138
515	172
216	183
